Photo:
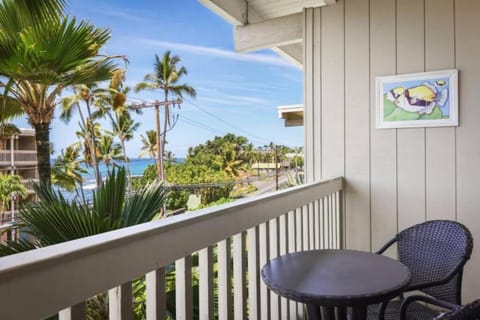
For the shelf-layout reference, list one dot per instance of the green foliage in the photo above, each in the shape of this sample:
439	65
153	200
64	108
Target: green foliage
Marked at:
227	154
215	203
149	144
10	185
186	176
55	219
177	199
297	161
67	170
241	191
42	52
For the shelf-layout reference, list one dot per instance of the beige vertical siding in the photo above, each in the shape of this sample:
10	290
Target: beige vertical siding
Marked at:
395	177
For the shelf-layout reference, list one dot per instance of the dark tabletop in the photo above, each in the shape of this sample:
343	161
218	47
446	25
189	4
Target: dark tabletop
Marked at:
336	277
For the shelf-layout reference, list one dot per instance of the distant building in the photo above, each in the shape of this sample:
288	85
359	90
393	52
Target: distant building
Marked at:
18	155
292	114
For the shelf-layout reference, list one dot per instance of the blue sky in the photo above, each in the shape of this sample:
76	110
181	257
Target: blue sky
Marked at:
241	91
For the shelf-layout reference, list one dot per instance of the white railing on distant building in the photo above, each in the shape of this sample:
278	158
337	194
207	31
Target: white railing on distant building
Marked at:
18	156
237	238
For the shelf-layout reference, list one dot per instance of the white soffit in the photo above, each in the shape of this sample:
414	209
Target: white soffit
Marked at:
269	9
245	12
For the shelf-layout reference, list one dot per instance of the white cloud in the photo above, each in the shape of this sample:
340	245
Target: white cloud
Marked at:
230	99
219	53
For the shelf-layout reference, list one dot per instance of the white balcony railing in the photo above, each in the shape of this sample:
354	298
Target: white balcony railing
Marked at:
18	156
241	237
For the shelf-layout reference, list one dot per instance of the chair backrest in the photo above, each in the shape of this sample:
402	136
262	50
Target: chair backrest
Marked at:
432	250
469	311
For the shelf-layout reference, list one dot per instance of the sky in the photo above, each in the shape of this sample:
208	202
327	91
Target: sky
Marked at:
237	93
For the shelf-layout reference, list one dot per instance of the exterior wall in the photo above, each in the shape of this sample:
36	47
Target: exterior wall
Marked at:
25	165
395	177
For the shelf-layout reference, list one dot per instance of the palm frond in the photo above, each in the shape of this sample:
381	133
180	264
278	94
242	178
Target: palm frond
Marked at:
109	198
144	204
12	247
54	219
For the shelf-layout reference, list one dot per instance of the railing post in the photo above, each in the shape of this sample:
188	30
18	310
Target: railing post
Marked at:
254	305
239	276
156	296
183	288
120	302
205	272
342	219
225	305
76	312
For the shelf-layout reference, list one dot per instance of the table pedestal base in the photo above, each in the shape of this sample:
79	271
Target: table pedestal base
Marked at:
339	313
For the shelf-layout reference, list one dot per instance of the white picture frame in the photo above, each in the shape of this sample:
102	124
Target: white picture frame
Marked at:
427	99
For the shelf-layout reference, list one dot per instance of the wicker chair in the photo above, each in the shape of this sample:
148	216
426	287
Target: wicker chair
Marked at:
470	311
435	252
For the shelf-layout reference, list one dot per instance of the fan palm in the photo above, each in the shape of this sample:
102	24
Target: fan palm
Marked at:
41	53
55	219
165	78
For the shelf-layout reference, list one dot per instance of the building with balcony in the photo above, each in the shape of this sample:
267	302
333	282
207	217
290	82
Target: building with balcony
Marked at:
363	184
18	156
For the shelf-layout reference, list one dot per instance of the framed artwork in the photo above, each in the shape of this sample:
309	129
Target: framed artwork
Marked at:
428	99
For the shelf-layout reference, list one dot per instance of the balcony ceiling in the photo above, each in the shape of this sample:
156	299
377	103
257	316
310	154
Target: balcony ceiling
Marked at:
252	19
269	9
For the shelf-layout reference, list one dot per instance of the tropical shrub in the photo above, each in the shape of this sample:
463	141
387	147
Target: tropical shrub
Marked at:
187	178
241	191
10	185
54	219
297	161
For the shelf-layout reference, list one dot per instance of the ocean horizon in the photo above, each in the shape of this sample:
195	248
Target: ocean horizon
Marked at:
137	167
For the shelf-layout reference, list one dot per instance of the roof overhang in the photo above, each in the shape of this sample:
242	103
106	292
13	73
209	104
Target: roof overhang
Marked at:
261	24
292	114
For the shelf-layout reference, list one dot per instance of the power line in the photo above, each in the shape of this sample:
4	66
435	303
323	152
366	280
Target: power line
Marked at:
223	121
199	125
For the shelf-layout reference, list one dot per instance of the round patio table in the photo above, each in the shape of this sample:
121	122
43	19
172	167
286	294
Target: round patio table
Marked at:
336	279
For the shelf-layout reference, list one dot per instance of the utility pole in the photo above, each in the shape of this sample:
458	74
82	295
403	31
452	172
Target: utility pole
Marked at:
156	104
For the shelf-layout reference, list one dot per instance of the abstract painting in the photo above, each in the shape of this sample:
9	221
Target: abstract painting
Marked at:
428	99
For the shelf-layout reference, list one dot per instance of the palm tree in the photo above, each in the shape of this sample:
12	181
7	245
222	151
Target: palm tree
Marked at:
89	95
165	78
67	170
230	160
84	135
119	113
41	53
9	109
149	142
109	150
124	127
170	157
10	185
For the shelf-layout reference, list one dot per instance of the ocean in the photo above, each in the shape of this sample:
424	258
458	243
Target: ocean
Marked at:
137	166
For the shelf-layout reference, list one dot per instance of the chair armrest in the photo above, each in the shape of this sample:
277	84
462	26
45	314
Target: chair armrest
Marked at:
386	246
427	299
